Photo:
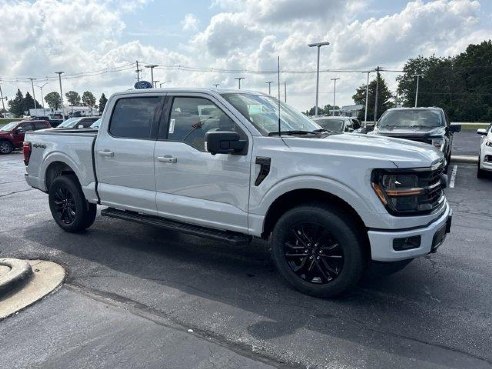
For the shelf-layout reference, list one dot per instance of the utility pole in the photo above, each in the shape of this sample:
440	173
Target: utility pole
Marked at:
377	93
151	66
216	85
269	87
42	102
285	92
61	93
239	81
33	93
2	98
318	45
138	72
367	99
334	92
417	89
154	83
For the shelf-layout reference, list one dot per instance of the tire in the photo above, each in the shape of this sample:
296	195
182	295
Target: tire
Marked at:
68	205
480	172
6	147
318	251
381	269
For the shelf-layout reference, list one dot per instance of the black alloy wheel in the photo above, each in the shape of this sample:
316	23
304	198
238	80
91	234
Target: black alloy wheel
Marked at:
313	253
65	207
68	205
319	249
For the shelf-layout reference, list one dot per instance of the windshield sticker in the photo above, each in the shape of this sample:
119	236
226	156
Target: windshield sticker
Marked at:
171	125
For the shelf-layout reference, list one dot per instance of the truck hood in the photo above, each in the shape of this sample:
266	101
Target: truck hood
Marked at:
402	153
403	132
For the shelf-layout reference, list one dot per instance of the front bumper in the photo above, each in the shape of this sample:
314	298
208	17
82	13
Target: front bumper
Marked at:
382	241
486	151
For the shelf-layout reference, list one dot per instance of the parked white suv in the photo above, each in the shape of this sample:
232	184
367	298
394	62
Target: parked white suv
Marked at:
485	154
213	163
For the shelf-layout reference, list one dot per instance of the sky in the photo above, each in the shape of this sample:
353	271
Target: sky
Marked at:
199	43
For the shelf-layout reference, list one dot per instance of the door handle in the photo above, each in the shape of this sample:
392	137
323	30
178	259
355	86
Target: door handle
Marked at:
106	153
167	159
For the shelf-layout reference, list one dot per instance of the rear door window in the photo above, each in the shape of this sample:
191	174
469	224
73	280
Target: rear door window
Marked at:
41	125
134	117
27	126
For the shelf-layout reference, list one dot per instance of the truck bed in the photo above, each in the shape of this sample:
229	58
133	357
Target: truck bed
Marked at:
74	147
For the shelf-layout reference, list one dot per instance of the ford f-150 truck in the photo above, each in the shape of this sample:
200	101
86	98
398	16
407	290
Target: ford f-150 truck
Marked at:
229	166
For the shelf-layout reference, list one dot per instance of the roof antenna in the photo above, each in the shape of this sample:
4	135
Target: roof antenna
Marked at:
278	95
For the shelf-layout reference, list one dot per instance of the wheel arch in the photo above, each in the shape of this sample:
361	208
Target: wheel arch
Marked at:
298	197
56	169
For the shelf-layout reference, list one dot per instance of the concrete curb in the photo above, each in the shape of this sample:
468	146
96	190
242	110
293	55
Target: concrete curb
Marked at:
20	272
464	159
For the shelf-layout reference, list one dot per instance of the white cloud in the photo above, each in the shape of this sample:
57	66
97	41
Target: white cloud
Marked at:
87	35
190	23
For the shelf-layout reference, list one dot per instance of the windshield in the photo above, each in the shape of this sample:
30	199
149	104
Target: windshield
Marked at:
69	123
335	125
262	112
10	126
411	118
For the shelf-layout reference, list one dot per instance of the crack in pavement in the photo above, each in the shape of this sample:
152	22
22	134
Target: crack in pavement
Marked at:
16	192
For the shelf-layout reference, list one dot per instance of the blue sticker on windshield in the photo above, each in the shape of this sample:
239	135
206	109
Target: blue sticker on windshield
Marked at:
143	84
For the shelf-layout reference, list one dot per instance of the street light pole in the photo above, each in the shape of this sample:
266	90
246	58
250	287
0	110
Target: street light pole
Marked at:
269	87
377	93
1	98
417	89
151	66
239	81
318	45
367	99
33	93
42	102
334	92
61	93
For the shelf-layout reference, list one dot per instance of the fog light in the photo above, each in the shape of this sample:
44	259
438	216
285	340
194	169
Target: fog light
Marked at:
487	158
407	243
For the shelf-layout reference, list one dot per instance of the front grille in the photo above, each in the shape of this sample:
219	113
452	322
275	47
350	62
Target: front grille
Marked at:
434	194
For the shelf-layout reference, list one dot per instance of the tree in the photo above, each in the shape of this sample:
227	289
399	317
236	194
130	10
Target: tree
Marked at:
53	99
102	103
73	98
28	103
16	106
384	98
461	85
88	99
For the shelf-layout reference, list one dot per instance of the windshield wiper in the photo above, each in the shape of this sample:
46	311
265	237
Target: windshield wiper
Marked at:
294	132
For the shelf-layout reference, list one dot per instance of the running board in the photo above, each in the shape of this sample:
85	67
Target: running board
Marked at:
225	236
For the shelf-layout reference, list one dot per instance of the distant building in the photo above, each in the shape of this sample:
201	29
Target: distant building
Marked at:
351	110
82	111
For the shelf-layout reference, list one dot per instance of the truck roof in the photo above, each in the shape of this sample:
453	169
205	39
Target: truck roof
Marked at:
212	91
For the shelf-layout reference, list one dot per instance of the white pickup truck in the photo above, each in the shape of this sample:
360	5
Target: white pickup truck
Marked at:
214	164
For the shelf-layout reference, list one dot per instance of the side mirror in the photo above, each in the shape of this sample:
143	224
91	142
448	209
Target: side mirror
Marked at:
224	142
455	128
19	131
481	131
80	126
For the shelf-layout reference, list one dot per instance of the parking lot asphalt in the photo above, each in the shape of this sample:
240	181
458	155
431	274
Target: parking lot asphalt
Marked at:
436	313
466	142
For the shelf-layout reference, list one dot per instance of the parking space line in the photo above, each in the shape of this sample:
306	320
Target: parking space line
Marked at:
453	176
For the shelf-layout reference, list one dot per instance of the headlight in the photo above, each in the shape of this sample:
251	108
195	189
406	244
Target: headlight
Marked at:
416	191
438	143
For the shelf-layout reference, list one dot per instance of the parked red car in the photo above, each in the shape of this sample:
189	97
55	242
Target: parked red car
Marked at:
12	134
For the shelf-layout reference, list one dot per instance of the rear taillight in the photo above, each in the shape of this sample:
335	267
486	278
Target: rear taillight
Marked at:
26	149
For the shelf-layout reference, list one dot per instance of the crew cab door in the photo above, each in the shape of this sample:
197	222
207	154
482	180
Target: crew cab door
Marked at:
124	153
193	185
19	133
